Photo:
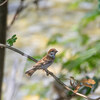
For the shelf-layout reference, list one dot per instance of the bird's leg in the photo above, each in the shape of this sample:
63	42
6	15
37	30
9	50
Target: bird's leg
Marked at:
45	69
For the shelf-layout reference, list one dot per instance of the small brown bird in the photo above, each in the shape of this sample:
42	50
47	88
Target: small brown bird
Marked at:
44	63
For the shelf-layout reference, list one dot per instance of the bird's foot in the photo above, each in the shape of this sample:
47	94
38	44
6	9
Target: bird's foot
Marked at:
45	69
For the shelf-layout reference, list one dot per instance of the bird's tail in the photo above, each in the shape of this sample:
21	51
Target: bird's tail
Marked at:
30	72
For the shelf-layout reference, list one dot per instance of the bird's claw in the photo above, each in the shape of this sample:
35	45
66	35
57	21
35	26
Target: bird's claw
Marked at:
47	73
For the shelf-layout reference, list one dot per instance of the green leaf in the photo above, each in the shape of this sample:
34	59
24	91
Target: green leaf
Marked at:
13	36
89	17
54	39
74	5
84	38
82	58
97	83
12	40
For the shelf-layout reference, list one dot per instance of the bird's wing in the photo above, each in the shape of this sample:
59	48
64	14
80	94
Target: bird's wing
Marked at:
47	59
43	61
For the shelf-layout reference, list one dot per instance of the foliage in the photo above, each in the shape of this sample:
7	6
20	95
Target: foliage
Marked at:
76	84
99	5
12	40
74	5
90	16
83	59
55	39
85	89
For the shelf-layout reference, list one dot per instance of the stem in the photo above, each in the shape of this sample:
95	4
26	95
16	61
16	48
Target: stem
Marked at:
18	51
3	3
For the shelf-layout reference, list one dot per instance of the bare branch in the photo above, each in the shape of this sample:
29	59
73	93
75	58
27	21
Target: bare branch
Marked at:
19	9
64	85
3	3
48	72
18	51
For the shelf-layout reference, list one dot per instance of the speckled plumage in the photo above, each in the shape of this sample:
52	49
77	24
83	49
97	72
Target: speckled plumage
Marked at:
45	62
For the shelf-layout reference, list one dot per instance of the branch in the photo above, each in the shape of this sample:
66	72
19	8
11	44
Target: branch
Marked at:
67	88
3	3
47	71
19	9
18	51
64	85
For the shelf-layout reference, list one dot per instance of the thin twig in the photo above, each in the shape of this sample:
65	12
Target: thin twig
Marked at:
19	9
18	51
36	2
48	72
64	85
3	3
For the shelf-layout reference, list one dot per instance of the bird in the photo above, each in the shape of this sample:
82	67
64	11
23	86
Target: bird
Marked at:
44	63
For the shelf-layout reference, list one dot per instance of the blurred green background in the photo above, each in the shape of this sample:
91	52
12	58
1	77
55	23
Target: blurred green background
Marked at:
70	26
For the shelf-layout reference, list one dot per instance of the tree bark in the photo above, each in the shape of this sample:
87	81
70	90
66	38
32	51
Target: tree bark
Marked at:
3	27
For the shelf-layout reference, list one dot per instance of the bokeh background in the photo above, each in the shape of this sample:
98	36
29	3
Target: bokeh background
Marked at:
70	26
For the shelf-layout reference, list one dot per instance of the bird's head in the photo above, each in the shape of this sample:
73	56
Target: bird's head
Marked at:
52	52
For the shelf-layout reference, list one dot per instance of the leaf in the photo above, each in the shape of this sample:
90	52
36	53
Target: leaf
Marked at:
13	36
89	17
97	83
74	5
75	84
12	40
54	39
99	5
83	38
82	57
89	81
87	85
77	88
84	82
